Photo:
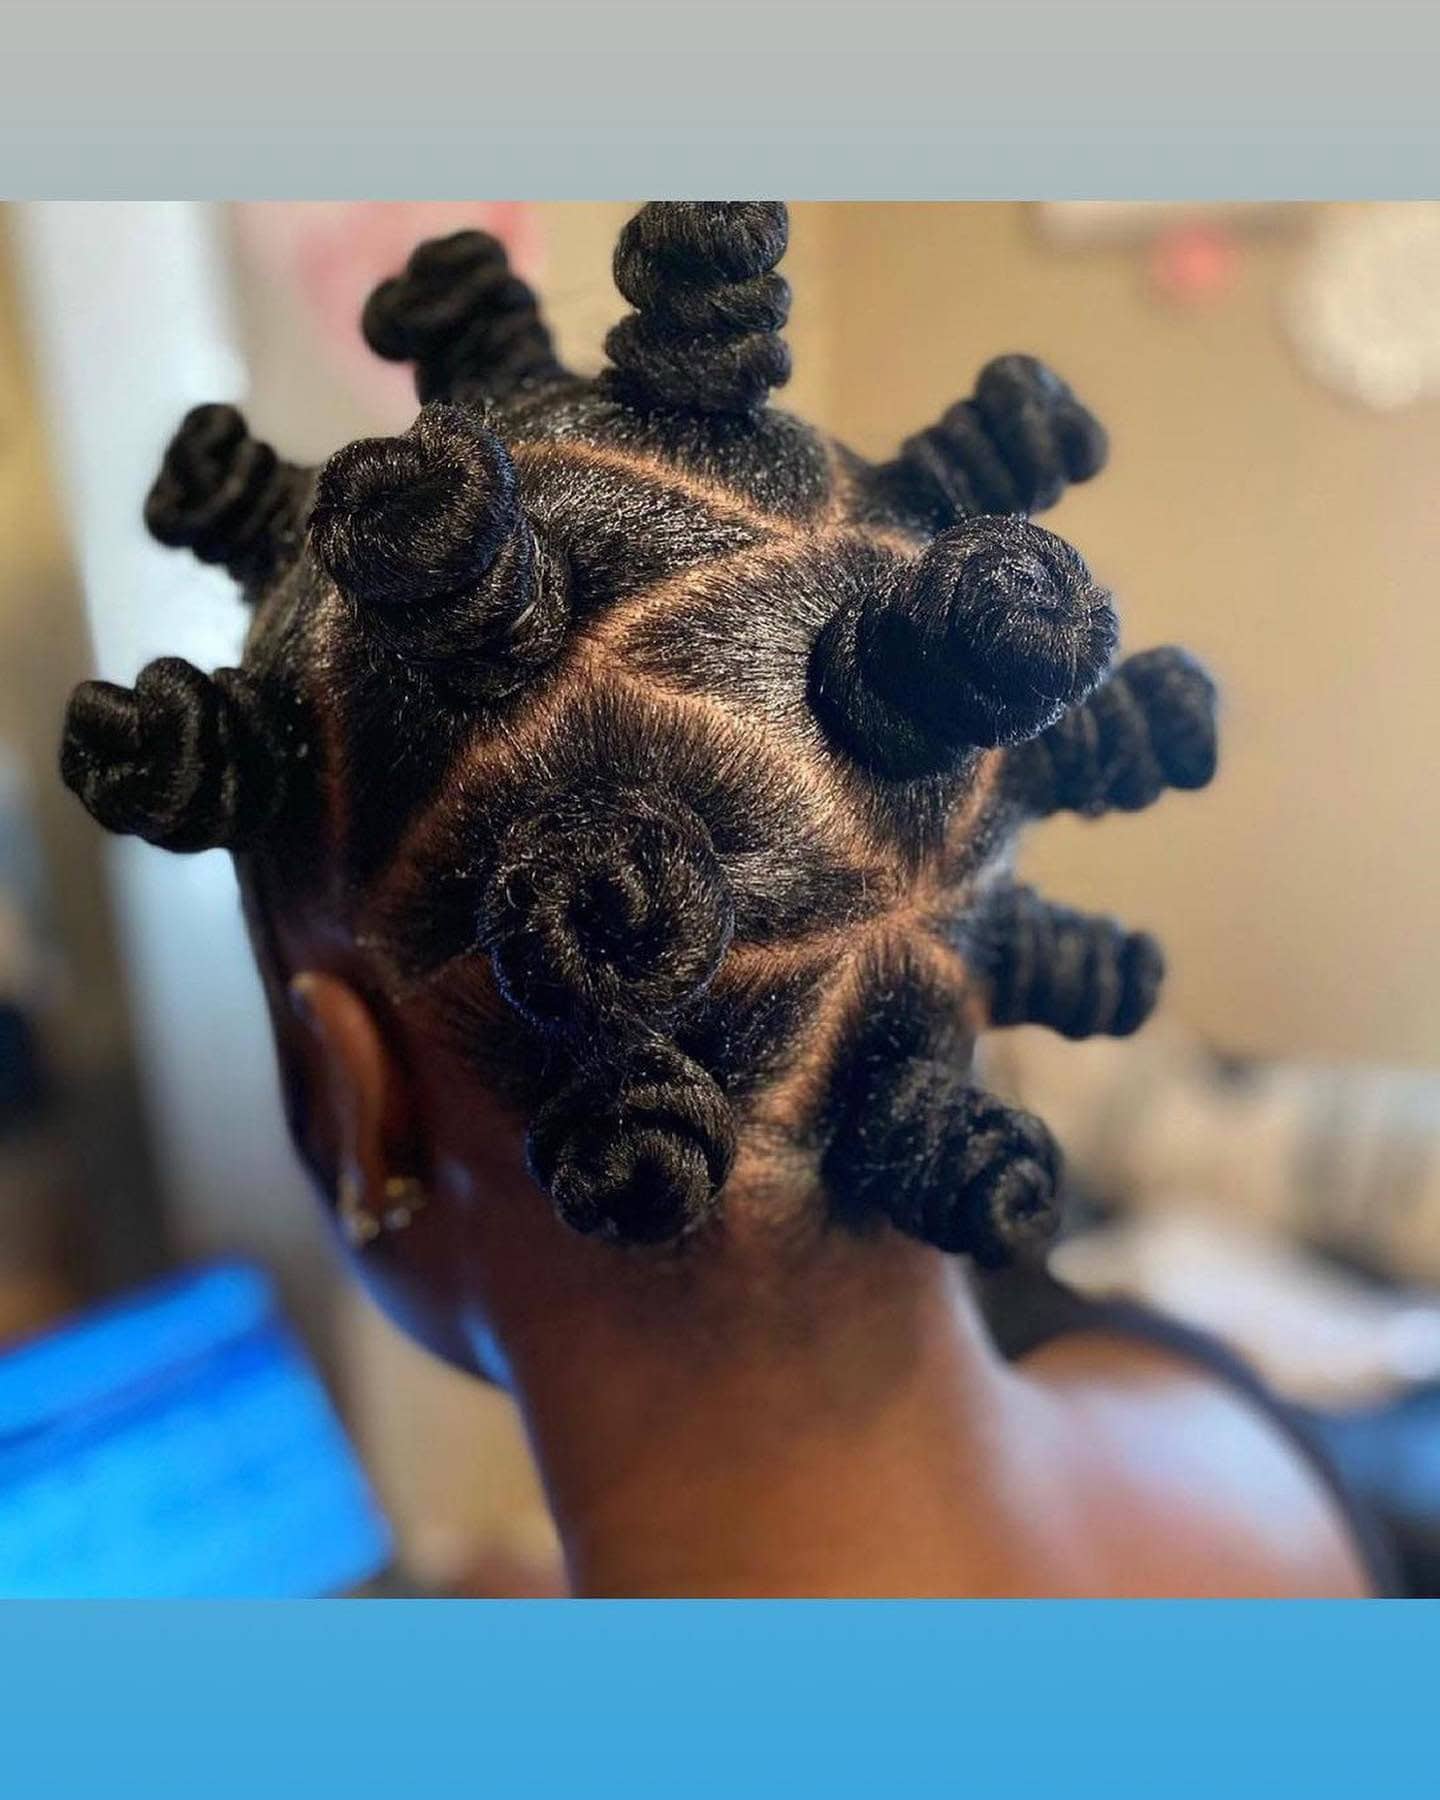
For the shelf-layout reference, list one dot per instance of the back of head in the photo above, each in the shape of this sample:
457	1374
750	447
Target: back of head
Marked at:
661	754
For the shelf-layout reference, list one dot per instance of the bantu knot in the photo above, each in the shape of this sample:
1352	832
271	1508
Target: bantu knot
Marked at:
636	1153
607	908
995	631
1011	448
181	760
1149	727
945	1162
709	310
227	497
426	534
1048	965
464	320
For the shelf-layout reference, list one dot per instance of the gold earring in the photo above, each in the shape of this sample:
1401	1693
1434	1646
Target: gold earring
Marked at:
403	1198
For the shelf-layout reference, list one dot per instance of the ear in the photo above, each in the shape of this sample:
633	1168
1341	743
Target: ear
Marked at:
357	1105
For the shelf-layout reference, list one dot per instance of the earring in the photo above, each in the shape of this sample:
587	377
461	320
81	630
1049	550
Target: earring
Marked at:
403	1198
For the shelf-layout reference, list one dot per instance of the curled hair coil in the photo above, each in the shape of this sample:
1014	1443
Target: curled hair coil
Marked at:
1150	727
943	1161
607	909
182	759
469	325
425	533
636	1153
705	333
227	497
996	630
1013	447
1079	974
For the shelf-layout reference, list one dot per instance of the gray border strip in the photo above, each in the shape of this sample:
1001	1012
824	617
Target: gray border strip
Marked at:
825	99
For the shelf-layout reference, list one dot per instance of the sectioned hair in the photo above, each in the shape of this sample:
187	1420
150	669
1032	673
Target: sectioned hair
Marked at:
673	748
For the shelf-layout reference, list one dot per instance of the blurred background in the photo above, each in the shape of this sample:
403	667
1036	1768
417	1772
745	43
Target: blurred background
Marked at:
1264	1157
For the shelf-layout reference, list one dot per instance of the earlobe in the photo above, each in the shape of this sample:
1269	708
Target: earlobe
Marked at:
359	1104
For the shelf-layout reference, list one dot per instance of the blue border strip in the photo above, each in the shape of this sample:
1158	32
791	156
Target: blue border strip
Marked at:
426	1699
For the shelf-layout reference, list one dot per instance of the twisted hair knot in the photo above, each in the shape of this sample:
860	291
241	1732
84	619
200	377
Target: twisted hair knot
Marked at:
1151	726
180	760
636	1154
399	521
606	908
1177	699
1005	1207
717	372
1011	448
946	1163
225	496
1076	972
426	533
1010	610
701	241
704	335
461	316
998	629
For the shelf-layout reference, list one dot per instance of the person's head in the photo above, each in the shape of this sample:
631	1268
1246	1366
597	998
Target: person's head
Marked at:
622	778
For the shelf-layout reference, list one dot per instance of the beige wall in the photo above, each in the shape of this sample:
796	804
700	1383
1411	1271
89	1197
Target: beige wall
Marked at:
1287	536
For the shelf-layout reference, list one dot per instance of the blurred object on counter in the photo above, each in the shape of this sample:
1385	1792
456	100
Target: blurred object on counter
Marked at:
1345	1160
178	1444
1315	1332
29	964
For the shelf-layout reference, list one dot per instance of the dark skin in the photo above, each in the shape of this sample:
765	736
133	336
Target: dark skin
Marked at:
780	1411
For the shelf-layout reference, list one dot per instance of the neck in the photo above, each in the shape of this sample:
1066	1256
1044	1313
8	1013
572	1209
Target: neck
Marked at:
841	1427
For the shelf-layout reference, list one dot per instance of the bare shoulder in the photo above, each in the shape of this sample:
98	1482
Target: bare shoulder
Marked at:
1182	1485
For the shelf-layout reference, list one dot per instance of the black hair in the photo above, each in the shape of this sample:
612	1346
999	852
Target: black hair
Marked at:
673	749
